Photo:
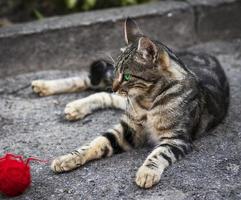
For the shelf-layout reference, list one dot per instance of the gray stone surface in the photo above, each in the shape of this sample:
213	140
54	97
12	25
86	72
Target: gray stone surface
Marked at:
92	18
209	2
73	41
217	19
35	126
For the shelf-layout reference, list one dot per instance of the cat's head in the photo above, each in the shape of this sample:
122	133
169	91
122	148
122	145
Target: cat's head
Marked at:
140	64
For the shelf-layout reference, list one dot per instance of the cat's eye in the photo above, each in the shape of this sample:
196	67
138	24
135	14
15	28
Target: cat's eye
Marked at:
127	77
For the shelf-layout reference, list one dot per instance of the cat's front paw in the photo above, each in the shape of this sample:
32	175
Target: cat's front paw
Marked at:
75	110
66	163
146	177
40	87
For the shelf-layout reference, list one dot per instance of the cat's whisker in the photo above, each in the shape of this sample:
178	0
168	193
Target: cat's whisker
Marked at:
128	110
131	104
111	58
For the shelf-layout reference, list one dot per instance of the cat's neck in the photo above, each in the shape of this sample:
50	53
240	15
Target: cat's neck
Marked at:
174	72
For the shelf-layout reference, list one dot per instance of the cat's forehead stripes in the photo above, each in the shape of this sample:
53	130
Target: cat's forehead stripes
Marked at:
124	58
131	49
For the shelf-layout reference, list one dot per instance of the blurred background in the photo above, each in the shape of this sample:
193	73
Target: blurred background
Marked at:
70	34
15	11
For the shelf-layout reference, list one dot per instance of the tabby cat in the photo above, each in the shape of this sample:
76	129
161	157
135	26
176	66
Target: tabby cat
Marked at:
167	103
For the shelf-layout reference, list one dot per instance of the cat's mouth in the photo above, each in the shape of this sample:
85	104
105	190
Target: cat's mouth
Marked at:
122	92
116	87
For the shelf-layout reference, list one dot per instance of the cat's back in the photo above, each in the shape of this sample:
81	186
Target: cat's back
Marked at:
212	81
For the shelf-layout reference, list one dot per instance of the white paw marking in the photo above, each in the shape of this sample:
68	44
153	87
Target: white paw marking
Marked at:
76	110
40	87
146	177
66	163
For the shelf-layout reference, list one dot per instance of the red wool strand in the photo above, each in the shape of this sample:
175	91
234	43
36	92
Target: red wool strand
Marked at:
15	176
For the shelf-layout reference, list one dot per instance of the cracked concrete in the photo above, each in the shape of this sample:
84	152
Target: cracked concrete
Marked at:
34	126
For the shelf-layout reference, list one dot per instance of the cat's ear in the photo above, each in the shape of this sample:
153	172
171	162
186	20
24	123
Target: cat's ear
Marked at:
147	48
164	59
131	31
150	52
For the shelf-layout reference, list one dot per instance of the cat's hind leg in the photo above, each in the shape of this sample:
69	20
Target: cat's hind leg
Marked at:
80	108
123	137
100	76
66	85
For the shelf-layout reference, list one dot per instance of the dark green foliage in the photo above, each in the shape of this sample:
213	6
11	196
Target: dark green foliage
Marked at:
26	10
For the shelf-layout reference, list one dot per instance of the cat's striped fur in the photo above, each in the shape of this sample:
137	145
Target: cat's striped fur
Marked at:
167	102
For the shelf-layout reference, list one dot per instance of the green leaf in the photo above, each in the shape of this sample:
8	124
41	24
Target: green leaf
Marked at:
37	14
128	2
88	4
71	3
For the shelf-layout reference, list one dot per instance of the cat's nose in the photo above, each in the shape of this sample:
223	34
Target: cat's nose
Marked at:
115	85
117	82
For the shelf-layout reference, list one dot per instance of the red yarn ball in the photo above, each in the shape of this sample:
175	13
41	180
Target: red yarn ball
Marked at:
15	175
